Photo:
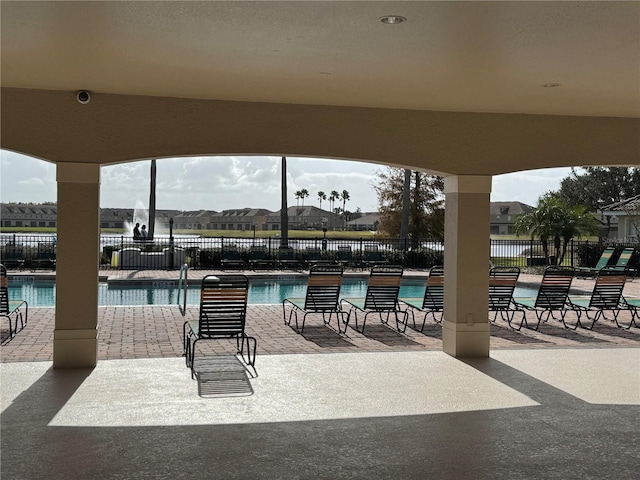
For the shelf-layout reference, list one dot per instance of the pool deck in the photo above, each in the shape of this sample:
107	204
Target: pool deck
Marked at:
550	404
129	332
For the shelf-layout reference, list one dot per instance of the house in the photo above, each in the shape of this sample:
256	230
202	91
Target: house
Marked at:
368	221
193	220
240	219
624	219
307	217
28	215
504	214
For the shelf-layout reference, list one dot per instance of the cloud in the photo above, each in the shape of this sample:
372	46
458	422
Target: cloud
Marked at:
219	183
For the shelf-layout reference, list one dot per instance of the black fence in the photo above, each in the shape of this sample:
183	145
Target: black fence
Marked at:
38	251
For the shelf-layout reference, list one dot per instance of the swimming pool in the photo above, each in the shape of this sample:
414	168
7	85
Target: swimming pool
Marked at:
42	293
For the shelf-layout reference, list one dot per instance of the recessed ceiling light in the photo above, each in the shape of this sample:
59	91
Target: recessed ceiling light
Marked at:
392	19
551	85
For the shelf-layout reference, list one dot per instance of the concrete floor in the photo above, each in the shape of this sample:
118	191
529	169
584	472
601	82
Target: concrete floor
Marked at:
540	413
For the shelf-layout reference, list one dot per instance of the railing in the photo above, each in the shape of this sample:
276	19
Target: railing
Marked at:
121	252
182	287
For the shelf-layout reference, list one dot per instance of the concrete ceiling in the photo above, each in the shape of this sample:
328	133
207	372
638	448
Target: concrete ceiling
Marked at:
447	56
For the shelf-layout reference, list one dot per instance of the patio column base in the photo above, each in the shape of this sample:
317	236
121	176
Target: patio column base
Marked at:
462	340
75	348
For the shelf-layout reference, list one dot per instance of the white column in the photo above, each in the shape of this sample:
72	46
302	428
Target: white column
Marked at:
75	342
465	328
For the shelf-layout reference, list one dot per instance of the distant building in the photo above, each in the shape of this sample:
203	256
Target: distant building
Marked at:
240	219
193	220
624	219
28	215
503	215
307	217
369	221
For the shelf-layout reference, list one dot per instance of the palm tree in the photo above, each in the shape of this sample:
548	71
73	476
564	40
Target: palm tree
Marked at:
298	194
321	196
304	193
345	197
553	220
332	198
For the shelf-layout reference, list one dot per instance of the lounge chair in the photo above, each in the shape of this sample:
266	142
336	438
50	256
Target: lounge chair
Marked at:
13	256
606	296
502	284
259	258
313	256
11	308
323	291
344	256
432	303
382	297
287	259
45	257
552	295
372	256
222	315
603	261
231	258
633	306
622	263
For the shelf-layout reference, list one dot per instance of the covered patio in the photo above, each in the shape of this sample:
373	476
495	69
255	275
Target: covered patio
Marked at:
466	90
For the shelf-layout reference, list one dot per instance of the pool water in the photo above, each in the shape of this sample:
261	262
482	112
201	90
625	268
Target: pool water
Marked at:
42	293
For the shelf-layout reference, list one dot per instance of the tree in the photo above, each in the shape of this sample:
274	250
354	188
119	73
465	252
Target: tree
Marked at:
599	186
332	199
321	196
298	194
406	205
426	215
555	221
304	193
344	196
596	187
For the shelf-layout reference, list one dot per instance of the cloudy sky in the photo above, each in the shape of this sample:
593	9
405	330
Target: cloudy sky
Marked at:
219	183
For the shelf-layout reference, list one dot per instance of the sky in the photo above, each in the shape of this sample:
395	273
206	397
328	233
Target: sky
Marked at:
220	183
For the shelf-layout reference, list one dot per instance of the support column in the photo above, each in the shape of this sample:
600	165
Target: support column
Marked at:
75	341
465	328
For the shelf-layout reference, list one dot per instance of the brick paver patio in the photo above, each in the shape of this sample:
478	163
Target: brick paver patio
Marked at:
156	331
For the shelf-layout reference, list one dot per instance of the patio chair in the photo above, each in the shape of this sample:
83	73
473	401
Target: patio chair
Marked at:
552	295
287	259
222	315
633	306
13	256
603	261
606	296
502	284
432	303
372	256
313	256
383	289
622	263
259	258
344	256
11	308
323	291
45	257
231	258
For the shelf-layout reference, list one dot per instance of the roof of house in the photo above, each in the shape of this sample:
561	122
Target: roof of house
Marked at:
509	208
630	204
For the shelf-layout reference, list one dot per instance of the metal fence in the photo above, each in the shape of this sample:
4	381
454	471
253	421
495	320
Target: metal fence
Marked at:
38	251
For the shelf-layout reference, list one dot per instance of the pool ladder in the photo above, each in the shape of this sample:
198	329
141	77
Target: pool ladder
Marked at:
182	287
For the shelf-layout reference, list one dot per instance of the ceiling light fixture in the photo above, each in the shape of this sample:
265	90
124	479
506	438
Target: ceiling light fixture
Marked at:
392	19
551	85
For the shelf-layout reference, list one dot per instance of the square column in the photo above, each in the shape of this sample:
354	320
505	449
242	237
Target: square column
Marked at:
75	340
465	327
